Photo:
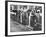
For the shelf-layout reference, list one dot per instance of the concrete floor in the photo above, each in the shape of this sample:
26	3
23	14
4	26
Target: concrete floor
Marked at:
16	27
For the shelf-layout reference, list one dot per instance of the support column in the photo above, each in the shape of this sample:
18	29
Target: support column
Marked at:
21	17
29	19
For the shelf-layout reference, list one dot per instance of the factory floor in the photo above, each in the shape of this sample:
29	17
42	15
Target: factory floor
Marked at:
17	27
